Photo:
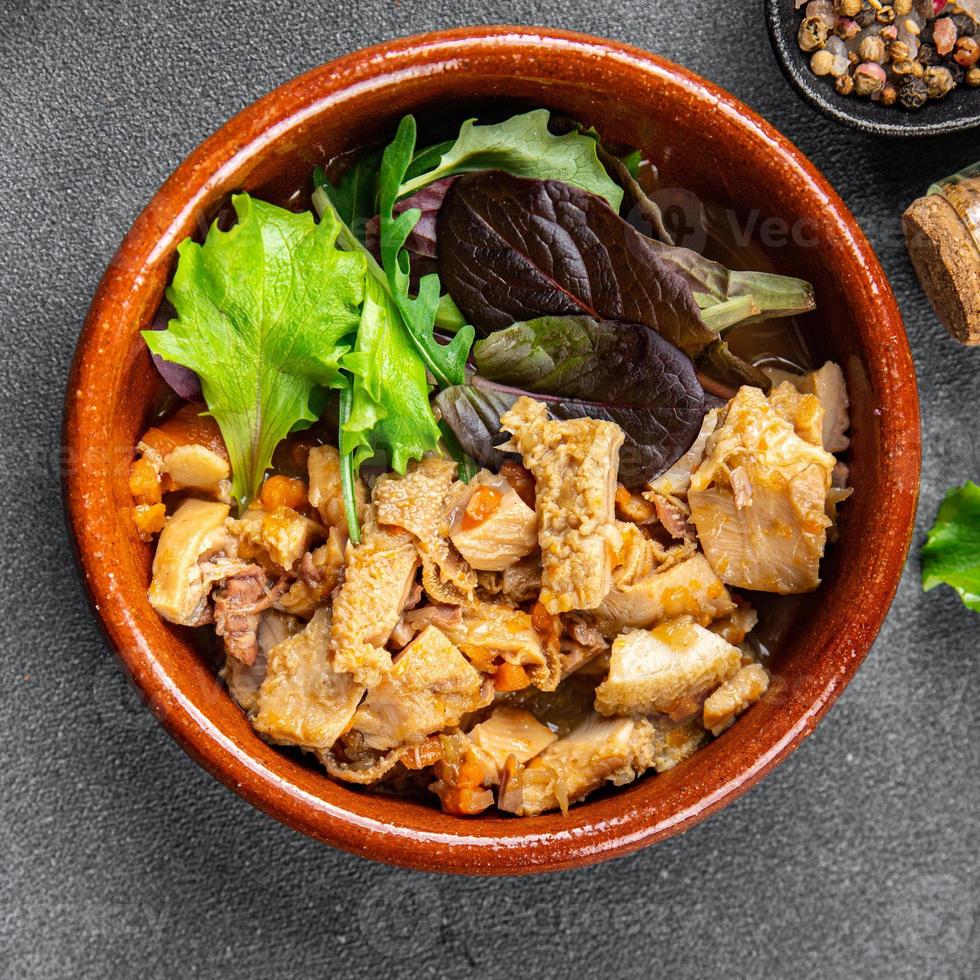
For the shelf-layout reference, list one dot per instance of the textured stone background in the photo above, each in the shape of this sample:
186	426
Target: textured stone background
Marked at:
120	858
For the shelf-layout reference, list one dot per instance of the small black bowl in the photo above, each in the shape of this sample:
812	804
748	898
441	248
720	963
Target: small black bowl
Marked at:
959	110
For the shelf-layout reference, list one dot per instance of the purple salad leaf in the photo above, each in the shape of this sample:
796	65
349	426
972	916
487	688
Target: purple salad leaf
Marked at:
513	249
618	371
421	242
182	380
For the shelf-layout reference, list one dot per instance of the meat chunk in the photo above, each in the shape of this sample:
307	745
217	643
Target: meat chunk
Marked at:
179	588
689	588
734	696
325	493
765	529
419	503
574	464
379	578
197	468
492	527
508	732
664	669
243	680
304	700
598	750
284	535
238	604
431	686
319	573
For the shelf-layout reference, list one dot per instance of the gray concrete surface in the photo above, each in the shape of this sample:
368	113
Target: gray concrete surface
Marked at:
120	858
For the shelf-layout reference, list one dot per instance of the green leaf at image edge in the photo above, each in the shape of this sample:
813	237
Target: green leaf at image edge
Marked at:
951	554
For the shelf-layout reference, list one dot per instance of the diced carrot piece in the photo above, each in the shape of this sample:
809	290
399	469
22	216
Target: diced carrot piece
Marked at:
520	479
544	622
283	491
144	483
469	773
482	503
510	677
150	519
466	800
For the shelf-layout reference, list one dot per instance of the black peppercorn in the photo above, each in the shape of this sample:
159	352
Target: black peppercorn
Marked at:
965	27
912	93
957	71
927	55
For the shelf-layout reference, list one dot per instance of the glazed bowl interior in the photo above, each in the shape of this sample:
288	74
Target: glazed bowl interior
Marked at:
700	139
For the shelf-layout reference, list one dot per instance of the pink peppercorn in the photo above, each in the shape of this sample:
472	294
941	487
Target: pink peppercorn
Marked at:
944	35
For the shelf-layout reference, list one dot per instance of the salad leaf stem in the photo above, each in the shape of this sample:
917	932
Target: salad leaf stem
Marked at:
347	469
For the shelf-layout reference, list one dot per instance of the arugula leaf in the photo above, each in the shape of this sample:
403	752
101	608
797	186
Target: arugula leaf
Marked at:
951	555
390	410
262	313
523	146
447	363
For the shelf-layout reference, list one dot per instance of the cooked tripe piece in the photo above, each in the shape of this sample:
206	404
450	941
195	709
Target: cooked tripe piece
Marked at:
379	577
726	703
758	500
179	588
689	588
303	700
574	464
284	534
662	669
828	384
596	750
419	503
677	479
431	686
675	741
508	732
492	527
486	631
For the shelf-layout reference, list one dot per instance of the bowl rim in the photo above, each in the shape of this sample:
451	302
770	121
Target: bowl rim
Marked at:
254	128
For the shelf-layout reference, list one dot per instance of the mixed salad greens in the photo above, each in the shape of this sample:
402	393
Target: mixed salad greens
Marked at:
512	232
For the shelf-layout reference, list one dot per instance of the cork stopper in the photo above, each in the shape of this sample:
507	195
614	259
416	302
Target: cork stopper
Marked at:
947	262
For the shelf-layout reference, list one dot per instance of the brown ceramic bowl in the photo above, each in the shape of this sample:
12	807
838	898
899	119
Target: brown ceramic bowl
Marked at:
702	139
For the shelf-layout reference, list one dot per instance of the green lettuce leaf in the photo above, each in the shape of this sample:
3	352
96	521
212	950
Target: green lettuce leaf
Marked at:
951	555
263	312
522	146
390	412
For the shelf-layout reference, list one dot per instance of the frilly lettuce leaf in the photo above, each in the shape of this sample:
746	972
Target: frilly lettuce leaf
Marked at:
263	313
951	555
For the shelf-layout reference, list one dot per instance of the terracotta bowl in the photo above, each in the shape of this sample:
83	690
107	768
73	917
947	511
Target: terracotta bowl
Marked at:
702	139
